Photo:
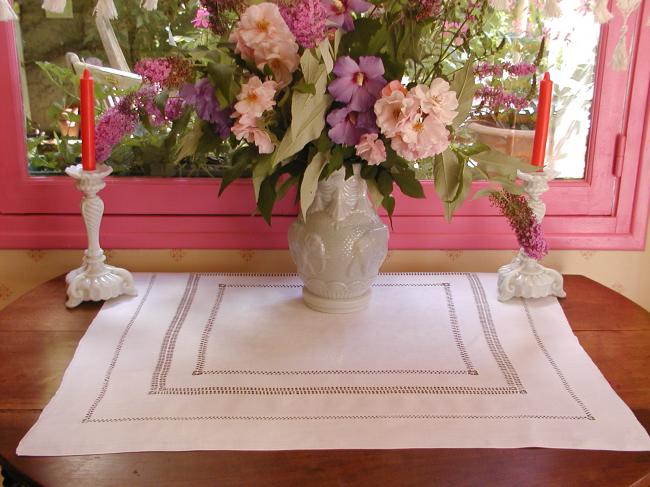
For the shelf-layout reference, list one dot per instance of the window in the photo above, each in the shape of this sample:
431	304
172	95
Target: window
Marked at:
602	203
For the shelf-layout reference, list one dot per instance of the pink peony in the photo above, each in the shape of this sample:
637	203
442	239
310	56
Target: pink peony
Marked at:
263	37
371	149
437	100
255	97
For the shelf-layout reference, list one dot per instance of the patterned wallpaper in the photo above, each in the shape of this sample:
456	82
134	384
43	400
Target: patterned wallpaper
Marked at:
624	271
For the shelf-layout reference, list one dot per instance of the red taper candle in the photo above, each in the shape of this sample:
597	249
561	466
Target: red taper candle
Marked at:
543	116
87	122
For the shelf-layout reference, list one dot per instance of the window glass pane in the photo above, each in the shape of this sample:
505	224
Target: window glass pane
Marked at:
572	57
505	105
50	44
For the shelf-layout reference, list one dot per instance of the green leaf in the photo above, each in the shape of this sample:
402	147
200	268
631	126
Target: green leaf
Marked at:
261	170
368	171
241	160
266	200
508	184
223	77
474	148
325	50
496	158
376	196
465	87
407	182
302	87
286	185
323	143
483	192
461	196
389	203
309	183
385	183
336	159
355	43
307	111
446	175
189	142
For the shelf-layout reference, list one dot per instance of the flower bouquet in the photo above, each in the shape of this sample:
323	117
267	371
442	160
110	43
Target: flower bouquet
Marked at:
387	85
340	99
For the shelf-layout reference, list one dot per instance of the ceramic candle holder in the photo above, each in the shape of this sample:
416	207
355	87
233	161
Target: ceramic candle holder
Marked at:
525	277
94	280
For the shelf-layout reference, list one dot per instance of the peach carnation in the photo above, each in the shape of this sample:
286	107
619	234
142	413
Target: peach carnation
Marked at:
255	97
437	100
248	128
371	149
262	36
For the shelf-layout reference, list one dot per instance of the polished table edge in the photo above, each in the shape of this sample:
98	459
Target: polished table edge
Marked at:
572	305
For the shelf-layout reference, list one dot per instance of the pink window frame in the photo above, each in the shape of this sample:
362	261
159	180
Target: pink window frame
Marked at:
606	210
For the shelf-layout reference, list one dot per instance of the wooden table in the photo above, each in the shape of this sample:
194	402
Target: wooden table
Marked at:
38	337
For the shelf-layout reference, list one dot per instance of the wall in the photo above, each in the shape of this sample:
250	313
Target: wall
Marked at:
624	271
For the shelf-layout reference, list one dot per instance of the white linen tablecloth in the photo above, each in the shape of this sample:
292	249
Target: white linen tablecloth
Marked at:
236	361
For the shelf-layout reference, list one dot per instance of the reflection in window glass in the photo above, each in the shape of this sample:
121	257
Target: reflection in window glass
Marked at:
51	44
572	58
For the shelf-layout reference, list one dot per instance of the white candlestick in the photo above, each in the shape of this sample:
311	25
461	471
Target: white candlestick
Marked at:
525	277
94	280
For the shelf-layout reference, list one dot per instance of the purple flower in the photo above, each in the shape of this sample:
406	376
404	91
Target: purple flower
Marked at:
174	108
201	97
533	241
522	220
306	20
497	97
347	125
113	125
358	84
339	12
520	69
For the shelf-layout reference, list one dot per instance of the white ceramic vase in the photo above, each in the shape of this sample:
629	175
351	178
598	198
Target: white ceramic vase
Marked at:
340	246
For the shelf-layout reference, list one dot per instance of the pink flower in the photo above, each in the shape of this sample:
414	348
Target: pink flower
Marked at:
437	100
263	37
306	19
248	128
153	70
371	149
255	97
393	112
339	12
202	19
393	86
421	139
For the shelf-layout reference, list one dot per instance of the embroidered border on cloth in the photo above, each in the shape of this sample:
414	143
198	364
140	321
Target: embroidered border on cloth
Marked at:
159	378
493	344
453	321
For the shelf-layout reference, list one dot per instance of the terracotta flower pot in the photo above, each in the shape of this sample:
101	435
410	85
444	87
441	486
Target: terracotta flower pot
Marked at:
513	142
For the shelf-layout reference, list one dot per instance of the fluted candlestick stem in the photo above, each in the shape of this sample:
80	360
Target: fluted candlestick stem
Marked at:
525	277
94	280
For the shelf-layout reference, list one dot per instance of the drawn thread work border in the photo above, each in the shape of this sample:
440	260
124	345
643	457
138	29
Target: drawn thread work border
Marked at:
209	326
91	411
